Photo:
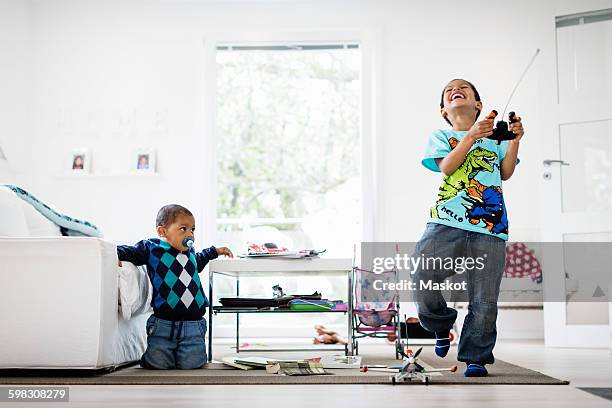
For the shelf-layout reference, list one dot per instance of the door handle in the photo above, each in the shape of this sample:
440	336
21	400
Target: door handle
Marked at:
548	162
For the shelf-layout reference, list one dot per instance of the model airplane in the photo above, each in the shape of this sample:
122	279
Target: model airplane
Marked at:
410	368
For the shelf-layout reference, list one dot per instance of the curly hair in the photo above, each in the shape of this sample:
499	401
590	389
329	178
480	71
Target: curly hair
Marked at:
168	213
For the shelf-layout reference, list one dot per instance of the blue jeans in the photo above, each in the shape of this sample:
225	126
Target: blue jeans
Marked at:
479	331
172	345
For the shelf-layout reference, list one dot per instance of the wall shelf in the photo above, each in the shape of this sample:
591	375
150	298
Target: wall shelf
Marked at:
110	176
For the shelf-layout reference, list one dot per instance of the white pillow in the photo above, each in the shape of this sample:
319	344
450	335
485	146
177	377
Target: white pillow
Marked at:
38	224
7	175
134	290
12	218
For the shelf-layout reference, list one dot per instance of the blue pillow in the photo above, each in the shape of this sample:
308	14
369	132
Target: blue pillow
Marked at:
63	221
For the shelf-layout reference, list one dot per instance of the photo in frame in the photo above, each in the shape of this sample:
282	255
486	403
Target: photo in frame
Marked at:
144	161
80	161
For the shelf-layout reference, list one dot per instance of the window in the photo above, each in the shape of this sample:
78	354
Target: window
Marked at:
288	151
288	146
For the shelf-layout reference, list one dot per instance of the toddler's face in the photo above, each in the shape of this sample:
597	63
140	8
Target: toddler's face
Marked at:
182	227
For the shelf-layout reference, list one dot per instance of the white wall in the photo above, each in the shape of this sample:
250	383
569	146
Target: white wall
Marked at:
14	132
113	76
116	75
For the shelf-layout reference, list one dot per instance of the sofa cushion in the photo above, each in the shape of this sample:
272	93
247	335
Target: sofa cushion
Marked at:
134	290
39	225
73	226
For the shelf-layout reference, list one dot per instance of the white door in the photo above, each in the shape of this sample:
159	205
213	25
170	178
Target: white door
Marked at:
577	175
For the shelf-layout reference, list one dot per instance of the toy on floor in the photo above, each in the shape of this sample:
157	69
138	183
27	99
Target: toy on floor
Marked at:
375	312
327	336
412	369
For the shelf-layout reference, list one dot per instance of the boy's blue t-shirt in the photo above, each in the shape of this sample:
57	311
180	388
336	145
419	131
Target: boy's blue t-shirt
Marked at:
471	198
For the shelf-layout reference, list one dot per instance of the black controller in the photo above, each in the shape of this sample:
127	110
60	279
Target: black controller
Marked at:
501	131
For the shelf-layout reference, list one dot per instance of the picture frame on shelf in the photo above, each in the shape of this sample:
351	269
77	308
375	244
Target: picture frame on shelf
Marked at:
80	162
144	161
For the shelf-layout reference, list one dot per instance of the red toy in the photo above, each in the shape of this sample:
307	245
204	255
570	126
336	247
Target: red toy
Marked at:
269	248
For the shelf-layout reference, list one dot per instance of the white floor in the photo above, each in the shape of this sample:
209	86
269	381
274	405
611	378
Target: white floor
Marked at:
584	368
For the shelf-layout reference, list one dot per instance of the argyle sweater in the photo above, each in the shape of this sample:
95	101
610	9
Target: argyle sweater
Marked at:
174	274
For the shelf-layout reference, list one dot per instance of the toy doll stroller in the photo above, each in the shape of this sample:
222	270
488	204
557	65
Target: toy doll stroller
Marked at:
375	312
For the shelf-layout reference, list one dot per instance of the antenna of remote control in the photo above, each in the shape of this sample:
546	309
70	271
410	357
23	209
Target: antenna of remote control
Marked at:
519	81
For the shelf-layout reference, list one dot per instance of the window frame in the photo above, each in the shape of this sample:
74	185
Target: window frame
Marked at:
369	43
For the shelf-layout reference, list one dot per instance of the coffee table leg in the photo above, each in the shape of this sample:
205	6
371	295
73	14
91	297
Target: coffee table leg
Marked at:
237	317
210	312
350	313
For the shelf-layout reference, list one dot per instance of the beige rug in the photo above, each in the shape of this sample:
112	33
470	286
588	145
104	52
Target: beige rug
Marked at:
501	372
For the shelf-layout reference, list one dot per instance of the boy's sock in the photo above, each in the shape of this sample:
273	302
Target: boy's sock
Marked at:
442	343
475	370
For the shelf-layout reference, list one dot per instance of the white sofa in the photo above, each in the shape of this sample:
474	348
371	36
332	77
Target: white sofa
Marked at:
59	300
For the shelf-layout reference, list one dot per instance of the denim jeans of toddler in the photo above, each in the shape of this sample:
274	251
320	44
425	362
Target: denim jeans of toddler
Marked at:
479	331
175	345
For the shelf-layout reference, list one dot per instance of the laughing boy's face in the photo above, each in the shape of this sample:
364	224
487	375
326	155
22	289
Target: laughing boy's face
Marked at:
459	98
459	93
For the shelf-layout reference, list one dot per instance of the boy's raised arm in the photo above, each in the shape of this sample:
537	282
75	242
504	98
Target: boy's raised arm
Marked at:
509	162
208	254
205	256
137	254
456	157
451	162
